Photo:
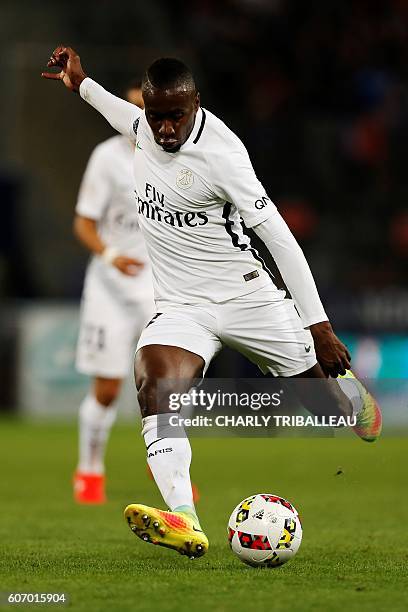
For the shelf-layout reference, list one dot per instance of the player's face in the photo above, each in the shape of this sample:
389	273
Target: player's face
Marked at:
171	114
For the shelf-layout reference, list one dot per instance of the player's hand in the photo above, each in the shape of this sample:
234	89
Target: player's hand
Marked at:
128	265
331	353
71	73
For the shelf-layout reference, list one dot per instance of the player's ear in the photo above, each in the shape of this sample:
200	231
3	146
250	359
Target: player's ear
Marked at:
197	101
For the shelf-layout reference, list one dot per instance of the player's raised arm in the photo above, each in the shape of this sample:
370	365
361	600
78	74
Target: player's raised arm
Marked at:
237	183
331	353
71	73
119	113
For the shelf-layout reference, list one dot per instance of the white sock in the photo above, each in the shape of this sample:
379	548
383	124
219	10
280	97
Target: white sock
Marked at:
169	459
350	388
95	423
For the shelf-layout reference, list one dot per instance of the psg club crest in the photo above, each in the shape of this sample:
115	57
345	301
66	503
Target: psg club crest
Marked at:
185	179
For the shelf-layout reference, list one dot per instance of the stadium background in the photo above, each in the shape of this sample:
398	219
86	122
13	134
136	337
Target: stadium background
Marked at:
318	92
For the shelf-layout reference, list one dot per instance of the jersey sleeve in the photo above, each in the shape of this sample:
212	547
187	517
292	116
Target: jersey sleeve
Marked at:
95	189
235	181
294	268
122	115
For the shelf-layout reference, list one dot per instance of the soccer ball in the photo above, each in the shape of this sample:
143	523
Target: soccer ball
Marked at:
264	530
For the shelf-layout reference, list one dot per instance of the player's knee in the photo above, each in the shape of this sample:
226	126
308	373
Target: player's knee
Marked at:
106	391
161	372
153	396
147	395
146	385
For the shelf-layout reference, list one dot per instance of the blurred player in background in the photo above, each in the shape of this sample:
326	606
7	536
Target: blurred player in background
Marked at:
117	297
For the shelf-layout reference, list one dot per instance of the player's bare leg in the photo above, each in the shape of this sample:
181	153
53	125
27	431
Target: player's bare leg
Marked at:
97	415
169	457
321	399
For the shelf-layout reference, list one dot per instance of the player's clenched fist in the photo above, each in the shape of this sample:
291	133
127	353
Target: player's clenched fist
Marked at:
71	73
331	353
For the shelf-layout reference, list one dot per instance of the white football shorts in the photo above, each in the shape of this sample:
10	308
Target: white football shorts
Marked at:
109	329
261	325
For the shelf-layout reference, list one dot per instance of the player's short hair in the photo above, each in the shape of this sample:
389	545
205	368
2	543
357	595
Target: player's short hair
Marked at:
168	73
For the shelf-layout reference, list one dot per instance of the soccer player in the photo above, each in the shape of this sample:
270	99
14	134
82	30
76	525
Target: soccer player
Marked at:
194	182
117	298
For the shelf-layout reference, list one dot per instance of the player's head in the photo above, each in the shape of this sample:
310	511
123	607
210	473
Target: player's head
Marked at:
132	92
171	102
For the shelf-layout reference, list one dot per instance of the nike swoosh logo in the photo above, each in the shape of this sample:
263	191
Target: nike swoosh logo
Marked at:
200	530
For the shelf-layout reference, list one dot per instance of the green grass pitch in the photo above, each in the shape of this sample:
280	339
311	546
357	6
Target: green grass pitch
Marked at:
354	553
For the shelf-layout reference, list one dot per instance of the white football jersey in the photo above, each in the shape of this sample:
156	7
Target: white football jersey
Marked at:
190	205
107	196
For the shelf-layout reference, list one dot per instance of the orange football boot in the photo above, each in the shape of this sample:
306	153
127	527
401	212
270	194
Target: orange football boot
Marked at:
89	488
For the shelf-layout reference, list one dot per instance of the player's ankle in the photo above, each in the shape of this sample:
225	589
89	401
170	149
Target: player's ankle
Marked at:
190	510
186	509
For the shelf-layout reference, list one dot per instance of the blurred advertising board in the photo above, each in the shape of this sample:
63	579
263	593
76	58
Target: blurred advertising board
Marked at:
47	381
49	385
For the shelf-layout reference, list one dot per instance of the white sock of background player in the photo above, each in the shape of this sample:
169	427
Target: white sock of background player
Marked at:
169	459
95	423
